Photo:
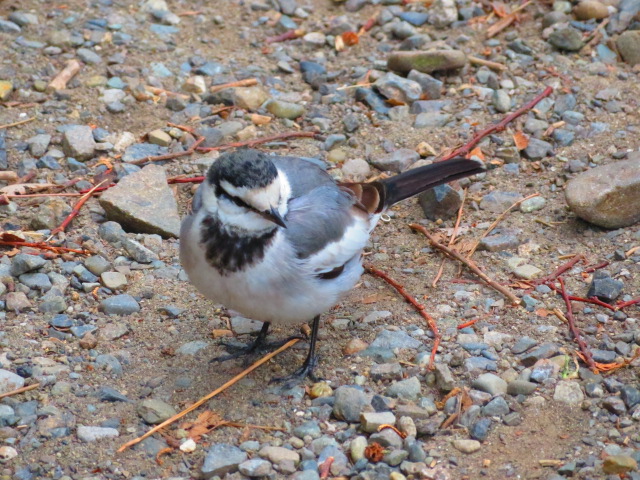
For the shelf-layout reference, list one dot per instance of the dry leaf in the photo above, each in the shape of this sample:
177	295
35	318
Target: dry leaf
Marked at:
371	299
477	152
350	38
521	140
339	43
542	312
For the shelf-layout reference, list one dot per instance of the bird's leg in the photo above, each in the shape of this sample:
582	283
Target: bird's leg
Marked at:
310	363
258	344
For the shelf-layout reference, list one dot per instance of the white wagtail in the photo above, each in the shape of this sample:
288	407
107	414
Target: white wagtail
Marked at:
278	240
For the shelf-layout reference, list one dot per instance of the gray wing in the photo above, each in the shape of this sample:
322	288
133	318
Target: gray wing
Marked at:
325	228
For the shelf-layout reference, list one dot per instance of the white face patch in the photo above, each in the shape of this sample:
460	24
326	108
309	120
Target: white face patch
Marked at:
262	199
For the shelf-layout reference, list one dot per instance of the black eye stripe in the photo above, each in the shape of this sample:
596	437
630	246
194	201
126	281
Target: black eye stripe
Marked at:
222	193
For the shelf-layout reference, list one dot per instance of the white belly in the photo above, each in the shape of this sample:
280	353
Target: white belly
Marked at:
278	289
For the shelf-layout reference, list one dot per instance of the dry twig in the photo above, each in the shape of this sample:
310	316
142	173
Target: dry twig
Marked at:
67	73
258	141
574	330
487	63
208	397
468	262
169	156
15	124
497	221
20	390
74	212
498	127
418	306
247	82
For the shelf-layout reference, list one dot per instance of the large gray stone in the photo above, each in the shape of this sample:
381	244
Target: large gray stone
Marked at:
78	142
426	61
607	195
144	203
9	381
222	459
629	46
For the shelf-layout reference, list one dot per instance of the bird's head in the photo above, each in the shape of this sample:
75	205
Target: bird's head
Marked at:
247	191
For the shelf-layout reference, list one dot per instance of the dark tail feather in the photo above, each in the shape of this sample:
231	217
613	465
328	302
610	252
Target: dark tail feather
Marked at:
417	180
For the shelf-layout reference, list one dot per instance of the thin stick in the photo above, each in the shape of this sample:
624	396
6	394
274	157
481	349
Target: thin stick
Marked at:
487	63
169	156
15	124
208	397
563	268
418	306
498	127
622	305
468	262
20	390
168	93
44	246
289	35
173	180
574	330
592	300
258	141
497	221
467	324
67	73
248	82
451	240
75	211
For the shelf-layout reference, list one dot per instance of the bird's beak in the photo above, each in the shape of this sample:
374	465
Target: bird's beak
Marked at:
275	217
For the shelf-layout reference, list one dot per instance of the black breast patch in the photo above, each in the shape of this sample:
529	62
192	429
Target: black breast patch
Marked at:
228	251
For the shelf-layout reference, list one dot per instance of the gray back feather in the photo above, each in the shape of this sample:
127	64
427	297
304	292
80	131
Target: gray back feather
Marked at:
303	175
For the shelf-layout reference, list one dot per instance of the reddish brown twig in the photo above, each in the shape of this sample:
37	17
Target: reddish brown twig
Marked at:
184	128
247	82
467	324
592	300
596	267
169	156
467	262
97	190
324	469
622	305
368	25
418	306
173	180
563	268
74	212
584	348
258	141
289	35
498	127
44	246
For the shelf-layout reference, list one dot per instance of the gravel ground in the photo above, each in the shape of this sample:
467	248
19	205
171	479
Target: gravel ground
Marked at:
118	340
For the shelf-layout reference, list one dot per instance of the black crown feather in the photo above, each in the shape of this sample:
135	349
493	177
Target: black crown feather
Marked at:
243	168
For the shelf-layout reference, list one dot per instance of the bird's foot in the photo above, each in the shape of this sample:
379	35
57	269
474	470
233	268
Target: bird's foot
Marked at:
297	377
249	351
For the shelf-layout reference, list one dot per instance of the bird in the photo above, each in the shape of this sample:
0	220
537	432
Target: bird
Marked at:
277	239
